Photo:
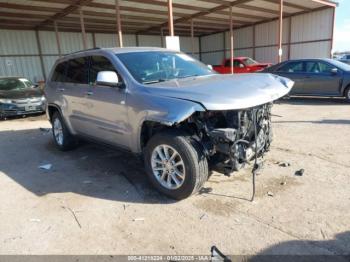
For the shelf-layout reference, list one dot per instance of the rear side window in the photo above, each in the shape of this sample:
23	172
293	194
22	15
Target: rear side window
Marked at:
77	71
292	67
59	73
98	64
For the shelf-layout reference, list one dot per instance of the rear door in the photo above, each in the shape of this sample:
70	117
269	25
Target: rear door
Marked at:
321	80
108	111
74	90
294	70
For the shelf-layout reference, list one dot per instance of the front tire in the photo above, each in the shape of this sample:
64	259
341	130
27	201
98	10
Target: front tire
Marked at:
63	139
347	94
175	164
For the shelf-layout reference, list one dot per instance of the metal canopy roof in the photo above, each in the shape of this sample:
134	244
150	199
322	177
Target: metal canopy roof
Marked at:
147	16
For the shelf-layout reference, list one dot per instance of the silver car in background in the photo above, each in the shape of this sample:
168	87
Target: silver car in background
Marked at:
165	105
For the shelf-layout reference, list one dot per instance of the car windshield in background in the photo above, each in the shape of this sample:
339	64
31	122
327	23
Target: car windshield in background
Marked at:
249	61
152	67
14	84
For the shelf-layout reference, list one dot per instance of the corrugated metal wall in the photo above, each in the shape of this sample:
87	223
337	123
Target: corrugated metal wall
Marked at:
19	53
310	38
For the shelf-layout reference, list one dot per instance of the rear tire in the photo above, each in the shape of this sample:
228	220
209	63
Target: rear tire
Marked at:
63	139
187	171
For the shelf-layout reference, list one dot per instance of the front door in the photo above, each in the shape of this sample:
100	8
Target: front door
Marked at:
321	80
108	111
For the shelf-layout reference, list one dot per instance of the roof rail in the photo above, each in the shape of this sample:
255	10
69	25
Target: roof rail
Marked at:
77	52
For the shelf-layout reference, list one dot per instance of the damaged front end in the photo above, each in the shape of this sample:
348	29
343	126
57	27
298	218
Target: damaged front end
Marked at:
234	137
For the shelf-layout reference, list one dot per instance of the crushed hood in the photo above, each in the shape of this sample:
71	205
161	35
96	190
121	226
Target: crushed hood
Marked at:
225	92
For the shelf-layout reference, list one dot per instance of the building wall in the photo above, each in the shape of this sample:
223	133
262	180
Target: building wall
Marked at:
310	37
304	36
19	52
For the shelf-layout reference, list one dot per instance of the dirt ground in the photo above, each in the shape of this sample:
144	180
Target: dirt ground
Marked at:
98	201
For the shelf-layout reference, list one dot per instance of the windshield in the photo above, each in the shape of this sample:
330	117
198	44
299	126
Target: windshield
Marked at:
155	66
248	61
14	84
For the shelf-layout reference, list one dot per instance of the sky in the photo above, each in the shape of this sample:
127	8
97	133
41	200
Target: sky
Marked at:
342	27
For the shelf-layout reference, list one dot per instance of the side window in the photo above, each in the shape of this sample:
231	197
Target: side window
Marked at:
77	71
237	63
325	68
227	63
318	67
100	63
59	73
312	67
292	67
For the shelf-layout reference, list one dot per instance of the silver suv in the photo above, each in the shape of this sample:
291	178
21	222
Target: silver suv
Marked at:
165	105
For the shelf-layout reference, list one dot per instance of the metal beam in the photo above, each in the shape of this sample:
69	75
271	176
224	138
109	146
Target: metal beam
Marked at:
231	40
280	33
288	4
192	37
57	39
199	14
62	13
83	28
119	23
170	17
40	54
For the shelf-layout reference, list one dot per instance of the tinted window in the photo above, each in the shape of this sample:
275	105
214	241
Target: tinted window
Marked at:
318	67
292	67
237	63
99	63
59	73
77	71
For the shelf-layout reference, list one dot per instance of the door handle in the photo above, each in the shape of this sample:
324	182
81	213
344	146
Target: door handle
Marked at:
89	93
61	89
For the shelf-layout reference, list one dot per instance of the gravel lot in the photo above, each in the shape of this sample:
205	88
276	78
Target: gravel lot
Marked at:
98	201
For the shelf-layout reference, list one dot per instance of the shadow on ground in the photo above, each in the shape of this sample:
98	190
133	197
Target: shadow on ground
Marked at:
313	101
89	170
336	249
323	121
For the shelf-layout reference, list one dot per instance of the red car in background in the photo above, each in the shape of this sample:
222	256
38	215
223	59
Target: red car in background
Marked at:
240	65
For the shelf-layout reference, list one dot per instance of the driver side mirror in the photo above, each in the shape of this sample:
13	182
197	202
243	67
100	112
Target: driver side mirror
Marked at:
108	78
241	66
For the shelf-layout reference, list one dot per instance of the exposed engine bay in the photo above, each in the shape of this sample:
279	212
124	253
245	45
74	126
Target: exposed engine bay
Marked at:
235	137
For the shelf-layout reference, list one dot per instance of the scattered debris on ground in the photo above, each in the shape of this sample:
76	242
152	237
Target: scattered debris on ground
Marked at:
269	193
34	220
139	219
299	172
45	130
283	164
46	166
73	213
87	182
202	216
